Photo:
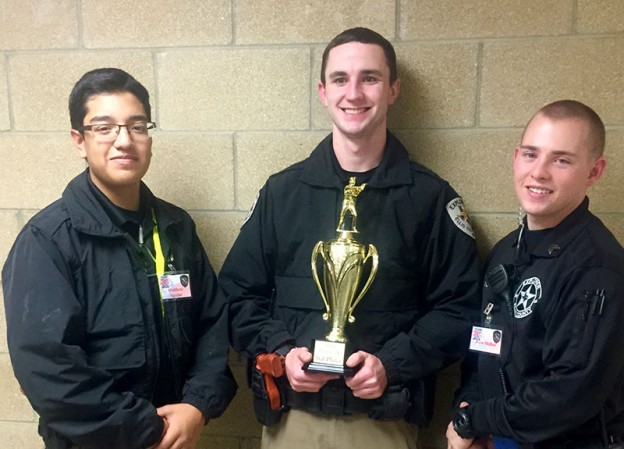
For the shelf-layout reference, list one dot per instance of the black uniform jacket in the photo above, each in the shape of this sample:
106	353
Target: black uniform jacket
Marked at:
420	304
86	337
562	360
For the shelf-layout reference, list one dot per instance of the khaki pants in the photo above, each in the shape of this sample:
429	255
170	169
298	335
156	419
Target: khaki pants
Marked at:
302	430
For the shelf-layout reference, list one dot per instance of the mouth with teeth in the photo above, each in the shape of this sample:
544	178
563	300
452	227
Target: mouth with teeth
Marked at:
354	111
539	190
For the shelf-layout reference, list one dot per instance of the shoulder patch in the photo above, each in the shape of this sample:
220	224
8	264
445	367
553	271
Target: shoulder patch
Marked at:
459	215
251	211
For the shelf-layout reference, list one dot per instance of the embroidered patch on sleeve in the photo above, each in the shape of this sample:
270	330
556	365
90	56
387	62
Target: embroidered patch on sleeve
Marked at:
459	215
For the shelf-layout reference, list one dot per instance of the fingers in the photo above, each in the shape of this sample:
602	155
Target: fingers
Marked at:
370	381
183	426
301	380
454	441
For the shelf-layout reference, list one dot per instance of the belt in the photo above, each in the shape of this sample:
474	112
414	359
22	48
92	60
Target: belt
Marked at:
329	401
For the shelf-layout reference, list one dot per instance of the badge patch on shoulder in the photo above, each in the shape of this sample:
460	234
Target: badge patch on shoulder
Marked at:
459	214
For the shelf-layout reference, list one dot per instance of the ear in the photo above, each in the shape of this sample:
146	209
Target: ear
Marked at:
79	142
321	92
597	171
394	91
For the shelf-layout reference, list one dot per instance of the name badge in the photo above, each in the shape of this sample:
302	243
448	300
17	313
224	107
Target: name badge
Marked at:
175	286
486	339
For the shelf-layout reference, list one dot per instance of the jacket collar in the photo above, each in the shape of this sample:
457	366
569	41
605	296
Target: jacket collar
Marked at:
558	238
393	170
91	212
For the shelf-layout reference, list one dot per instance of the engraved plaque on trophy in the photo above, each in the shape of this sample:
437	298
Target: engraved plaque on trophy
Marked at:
343	261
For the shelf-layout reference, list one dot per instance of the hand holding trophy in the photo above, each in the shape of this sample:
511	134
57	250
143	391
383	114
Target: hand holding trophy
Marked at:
343	260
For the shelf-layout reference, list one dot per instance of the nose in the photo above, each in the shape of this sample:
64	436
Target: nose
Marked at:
123	138
540	169
354	90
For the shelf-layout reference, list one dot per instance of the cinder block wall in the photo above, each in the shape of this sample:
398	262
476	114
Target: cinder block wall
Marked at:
233	86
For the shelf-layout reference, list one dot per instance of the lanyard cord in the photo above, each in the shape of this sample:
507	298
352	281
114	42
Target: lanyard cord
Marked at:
159	260
160	257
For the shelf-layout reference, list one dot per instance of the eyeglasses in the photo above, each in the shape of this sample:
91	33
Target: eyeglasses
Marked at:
109	131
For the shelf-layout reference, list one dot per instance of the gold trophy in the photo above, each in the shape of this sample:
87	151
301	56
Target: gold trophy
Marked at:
343	261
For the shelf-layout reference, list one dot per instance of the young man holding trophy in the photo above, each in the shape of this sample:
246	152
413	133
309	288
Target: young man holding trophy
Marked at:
348	323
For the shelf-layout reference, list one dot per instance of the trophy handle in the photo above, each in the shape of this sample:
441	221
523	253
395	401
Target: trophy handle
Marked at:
372	252
318	250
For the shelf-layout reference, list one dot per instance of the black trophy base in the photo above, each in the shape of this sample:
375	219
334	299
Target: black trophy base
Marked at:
342	370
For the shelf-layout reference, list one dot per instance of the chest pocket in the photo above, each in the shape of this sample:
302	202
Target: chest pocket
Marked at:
108	289
589	306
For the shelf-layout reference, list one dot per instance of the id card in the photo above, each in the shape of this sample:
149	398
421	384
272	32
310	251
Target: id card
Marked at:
486	339
175	286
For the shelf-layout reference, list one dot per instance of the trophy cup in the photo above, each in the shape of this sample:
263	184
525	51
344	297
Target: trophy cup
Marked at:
343	261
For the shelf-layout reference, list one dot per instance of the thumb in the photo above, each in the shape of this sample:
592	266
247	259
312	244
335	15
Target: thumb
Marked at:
355	359
301	354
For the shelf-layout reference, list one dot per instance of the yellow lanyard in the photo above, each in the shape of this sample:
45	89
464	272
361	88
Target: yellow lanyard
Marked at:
159	260
160	257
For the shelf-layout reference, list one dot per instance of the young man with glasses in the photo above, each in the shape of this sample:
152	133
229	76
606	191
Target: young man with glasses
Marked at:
116	328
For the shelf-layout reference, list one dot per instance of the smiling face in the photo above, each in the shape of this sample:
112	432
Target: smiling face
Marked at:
553	168
357	91
116	167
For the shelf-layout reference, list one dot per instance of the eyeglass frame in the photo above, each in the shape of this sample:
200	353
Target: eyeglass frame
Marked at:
149	126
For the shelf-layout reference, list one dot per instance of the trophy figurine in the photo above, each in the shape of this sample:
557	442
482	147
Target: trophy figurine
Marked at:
343	261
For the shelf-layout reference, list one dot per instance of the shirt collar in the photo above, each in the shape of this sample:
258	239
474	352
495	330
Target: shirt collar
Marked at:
393	170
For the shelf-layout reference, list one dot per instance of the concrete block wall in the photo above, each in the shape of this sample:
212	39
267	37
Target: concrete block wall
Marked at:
233	85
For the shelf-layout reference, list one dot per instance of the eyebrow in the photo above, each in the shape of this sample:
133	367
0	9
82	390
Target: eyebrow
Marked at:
556	153
339	74
108	118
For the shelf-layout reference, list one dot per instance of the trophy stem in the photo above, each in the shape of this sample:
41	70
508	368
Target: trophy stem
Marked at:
337	335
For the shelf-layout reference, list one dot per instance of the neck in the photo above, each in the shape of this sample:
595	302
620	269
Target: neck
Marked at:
129	201
126	197
359	155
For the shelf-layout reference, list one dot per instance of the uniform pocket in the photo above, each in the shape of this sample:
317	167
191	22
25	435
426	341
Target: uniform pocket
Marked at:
590	306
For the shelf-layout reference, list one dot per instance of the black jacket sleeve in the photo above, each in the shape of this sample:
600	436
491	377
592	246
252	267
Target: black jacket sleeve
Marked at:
46	338
247	279
210	385
439	337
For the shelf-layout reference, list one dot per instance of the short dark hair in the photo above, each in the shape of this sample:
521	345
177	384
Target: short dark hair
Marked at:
364	36
568	109
104	81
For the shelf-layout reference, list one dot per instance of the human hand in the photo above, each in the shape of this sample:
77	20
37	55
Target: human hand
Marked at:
165	427
185	425
300	380
454	441
370	381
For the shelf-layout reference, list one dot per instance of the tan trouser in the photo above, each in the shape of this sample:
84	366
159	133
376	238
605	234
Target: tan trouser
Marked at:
302	430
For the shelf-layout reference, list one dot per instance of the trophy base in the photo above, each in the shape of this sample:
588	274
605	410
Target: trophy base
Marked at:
329	357
343	370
